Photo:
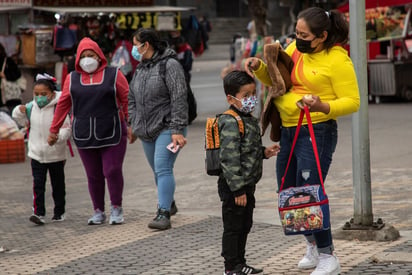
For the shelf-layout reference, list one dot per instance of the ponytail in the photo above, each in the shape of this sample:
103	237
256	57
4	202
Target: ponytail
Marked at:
333	22
339	30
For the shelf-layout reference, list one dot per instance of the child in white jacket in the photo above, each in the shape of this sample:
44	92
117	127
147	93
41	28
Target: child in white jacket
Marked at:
38	114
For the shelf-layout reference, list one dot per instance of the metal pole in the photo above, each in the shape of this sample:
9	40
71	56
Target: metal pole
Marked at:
360	120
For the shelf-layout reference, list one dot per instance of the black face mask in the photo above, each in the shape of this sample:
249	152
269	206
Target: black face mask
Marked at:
304	45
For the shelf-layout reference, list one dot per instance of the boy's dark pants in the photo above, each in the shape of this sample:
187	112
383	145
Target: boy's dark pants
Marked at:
237	222
56	171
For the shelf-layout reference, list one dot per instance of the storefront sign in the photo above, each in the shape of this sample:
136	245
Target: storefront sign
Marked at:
92	3
159	21
15	3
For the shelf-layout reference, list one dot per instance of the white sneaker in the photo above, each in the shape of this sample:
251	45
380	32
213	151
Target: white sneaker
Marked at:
116	215
311	258
98	218
328	265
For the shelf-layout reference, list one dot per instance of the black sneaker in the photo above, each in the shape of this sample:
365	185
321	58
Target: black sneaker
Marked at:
58	218
173	208
161	221
243	269
39	220
234	272
251	270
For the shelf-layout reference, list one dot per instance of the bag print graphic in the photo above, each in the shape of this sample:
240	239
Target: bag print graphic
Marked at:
303	209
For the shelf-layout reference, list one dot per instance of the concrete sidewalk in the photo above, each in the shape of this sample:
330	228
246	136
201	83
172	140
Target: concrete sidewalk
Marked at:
192	245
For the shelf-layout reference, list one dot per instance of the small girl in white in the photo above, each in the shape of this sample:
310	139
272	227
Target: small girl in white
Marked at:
38	114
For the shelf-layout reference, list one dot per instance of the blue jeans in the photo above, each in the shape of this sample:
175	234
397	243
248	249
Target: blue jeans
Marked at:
303	169
162	161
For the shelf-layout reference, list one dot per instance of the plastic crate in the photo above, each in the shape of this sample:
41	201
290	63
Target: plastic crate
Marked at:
12	151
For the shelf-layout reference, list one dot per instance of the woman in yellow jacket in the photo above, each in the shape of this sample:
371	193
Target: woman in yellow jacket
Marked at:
324	79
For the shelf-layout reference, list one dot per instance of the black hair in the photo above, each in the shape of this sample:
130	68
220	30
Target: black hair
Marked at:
234	80
334	22
152	37
46	82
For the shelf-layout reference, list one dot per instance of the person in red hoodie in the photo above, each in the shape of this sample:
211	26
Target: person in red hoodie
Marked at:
184	55
97	97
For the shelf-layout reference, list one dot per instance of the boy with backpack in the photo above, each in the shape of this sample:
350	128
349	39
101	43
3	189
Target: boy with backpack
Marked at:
241	158
38	114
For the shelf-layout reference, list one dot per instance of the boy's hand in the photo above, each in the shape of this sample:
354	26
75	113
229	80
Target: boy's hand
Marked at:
272	150
241	200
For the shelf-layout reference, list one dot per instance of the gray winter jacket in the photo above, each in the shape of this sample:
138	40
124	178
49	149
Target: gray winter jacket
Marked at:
158	103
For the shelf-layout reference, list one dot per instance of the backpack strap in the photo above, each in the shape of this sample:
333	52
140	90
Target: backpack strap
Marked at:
29	107
162	69
162	66
238	119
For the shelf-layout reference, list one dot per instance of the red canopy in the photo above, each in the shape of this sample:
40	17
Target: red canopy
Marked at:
377	3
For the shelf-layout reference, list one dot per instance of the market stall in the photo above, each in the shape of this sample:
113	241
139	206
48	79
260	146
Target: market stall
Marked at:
389	37
109	26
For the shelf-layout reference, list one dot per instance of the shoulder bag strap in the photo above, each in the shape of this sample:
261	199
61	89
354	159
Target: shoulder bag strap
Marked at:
292	148
4	64
315	148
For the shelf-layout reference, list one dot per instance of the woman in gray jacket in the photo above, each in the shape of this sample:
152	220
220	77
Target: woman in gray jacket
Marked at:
158	114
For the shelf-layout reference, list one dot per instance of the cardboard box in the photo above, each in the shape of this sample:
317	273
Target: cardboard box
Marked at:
12	151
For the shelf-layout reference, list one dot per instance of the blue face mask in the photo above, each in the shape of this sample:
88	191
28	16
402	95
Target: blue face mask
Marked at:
42	100
135	53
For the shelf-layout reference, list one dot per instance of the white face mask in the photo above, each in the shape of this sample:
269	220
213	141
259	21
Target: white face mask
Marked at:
88	64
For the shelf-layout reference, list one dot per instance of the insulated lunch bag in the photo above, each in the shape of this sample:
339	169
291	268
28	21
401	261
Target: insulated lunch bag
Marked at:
304	209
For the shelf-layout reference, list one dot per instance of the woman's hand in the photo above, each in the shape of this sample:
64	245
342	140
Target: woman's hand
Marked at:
314	104
252	64
52	139
130	136
179	139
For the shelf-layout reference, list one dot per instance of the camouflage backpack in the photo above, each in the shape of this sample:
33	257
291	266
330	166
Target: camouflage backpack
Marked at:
212	142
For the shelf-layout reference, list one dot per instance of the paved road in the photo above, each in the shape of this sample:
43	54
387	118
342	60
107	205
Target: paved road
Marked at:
192	246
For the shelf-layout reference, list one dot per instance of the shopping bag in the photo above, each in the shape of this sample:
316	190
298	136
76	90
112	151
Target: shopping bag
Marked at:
304	209
10	90
22	82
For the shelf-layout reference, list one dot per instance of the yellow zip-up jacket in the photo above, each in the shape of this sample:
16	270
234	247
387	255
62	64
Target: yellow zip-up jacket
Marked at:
327	74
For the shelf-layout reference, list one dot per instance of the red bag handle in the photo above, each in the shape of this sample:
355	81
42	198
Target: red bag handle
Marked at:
315	147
